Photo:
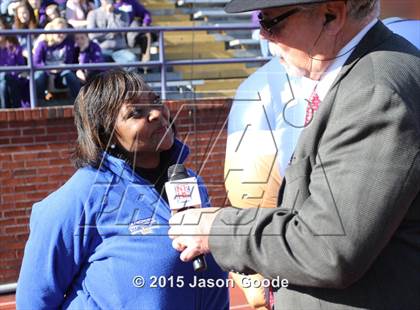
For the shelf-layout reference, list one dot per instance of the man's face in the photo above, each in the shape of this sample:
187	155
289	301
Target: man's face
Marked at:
295	37
81	40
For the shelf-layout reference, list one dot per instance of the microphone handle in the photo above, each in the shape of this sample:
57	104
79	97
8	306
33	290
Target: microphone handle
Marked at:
199	263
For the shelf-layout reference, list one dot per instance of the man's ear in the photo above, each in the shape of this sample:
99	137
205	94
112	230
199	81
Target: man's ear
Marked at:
335	16
329	18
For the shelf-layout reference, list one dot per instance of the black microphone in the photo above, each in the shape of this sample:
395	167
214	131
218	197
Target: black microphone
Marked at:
183	193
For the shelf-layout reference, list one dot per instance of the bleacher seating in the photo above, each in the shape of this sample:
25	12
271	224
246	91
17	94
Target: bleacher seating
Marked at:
243	42
217	13
208	80
216	80
181	3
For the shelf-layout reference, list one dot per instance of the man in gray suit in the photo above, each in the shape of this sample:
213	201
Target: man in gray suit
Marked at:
346	234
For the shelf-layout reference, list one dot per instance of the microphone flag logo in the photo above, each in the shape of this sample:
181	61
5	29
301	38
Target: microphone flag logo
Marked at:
183	193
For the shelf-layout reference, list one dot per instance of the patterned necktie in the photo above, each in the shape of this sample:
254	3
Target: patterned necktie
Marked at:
271	298
312	107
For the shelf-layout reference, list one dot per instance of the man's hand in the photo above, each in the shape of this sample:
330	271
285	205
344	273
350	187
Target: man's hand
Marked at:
190	231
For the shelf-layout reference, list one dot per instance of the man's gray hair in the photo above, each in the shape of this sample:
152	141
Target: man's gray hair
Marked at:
359	9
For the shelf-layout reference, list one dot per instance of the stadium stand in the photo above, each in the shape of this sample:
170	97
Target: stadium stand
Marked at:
186	81
205	2
206	80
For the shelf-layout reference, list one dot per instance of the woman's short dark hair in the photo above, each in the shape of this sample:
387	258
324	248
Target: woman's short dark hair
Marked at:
96	109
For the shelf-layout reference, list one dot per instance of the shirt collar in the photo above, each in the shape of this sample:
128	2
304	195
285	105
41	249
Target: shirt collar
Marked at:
334	69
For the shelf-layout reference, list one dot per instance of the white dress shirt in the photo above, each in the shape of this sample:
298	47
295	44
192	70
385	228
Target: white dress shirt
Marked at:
269	105
329	76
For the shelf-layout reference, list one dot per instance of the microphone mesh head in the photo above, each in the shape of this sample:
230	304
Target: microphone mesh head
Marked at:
177	172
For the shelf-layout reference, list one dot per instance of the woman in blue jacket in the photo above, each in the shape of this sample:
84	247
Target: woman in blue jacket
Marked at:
100	241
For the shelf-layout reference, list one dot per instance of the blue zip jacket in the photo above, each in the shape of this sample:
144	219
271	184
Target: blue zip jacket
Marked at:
92	239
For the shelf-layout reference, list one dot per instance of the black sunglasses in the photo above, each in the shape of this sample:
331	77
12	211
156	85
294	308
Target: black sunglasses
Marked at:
268	24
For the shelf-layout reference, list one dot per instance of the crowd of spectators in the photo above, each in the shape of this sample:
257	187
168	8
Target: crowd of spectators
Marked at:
57	49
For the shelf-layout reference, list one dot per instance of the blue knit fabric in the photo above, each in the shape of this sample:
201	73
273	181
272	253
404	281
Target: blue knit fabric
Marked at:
95	234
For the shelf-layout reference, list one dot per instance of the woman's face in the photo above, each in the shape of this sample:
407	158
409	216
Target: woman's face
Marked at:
143	127
52	13
59	37
22	14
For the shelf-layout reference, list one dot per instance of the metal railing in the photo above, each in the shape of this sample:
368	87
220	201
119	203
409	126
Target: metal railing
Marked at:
162	62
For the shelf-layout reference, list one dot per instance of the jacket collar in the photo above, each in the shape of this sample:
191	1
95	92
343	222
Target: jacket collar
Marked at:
378	34
177	155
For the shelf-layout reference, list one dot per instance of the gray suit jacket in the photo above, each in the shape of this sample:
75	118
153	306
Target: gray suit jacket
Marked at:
347	232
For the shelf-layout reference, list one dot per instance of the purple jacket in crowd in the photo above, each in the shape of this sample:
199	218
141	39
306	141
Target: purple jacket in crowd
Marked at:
132	8
42	16
254	18
92	54
12	56
63	53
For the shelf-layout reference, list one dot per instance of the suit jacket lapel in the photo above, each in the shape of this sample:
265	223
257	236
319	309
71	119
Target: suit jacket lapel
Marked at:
307	144
312	135
378	34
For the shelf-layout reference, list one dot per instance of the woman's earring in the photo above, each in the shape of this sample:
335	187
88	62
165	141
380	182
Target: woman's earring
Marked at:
113	146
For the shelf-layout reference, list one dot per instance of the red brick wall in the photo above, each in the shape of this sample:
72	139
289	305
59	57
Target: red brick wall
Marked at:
35	150
401	8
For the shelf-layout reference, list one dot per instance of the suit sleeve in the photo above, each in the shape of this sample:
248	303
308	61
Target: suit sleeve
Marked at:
361	184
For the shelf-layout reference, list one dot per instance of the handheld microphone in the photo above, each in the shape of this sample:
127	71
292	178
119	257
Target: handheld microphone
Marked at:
183	193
